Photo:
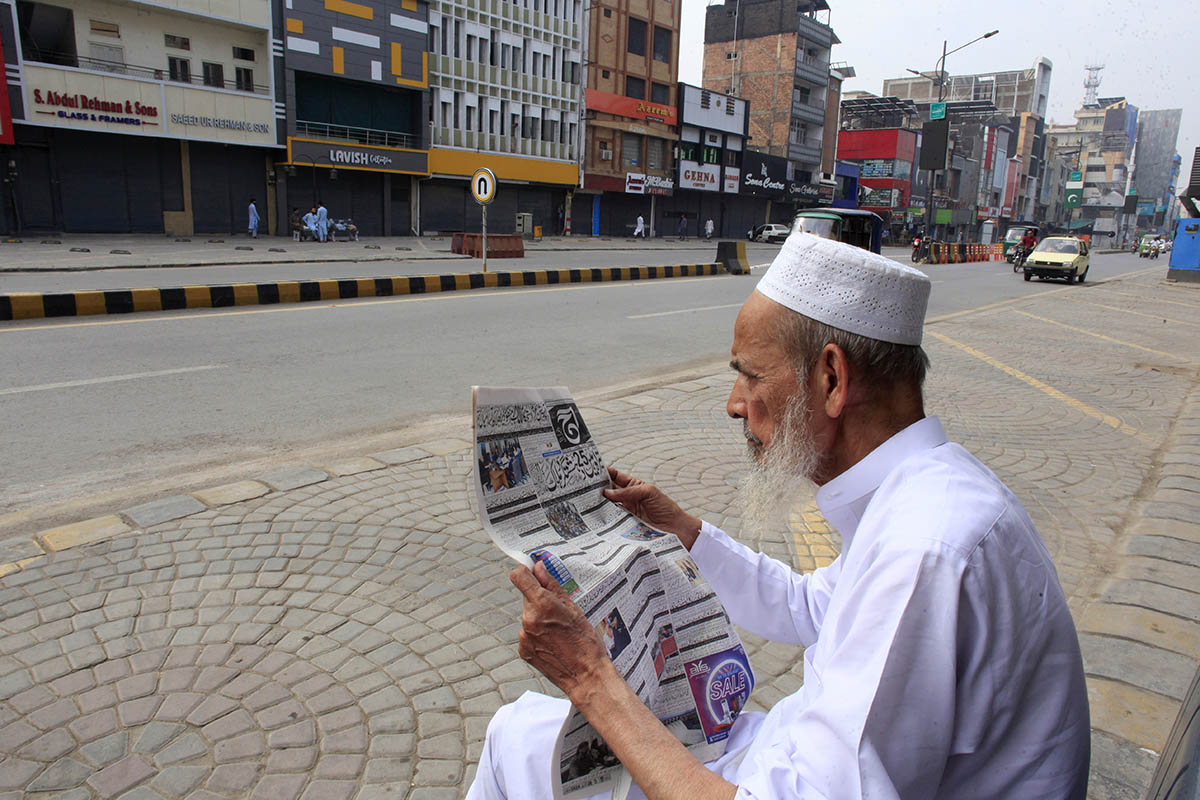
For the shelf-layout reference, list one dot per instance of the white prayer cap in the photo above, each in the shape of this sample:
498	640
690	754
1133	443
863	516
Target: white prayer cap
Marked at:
849	288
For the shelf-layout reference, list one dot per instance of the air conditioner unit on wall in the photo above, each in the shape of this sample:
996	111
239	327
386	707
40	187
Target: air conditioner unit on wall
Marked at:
606	155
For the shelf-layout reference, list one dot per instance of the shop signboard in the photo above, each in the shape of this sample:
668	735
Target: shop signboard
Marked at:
67	98
635	183
660	184
879	198
810	193
631	107
877	168
733	177
702	177
764	175
315	152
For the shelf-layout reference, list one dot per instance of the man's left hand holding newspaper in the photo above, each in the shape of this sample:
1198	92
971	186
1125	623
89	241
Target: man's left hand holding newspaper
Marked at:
560	643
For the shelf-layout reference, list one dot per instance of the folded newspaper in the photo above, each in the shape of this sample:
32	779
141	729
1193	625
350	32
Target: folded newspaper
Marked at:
539	483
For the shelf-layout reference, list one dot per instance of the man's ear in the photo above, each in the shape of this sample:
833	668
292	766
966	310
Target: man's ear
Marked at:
832	377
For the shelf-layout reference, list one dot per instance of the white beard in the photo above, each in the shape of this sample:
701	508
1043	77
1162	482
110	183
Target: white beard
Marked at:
780	473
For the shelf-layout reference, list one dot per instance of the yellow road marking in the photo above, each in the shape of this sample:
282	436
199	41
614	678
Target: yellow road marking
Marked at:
1062	397
1128	311
1154	299
1097	335
489	278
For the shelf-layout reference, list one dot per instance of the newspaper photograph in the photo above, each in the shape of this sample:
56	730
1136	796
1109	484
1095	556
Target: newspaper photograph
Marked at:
539	482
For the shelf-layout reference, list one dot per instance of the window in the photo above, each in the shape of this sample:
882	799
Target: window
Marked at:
635	87
470	47
604	73
245	78
179	69
799	132
656	154
801	95
214	74
537	63
631	149
111	29
730	55
243	53
608	12
660	93
637	37
177	42
662	44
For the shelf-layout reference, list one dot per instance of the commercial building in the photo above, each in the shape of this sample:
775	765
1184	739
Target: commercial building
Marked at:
357	76
139	117
631	129
1101	143
881	135
1017	99
506	93
1156	166
776	55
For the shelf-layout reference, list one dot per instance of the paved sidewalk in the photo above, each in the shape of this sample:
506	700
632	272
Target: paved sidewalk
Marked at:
346	630
85	252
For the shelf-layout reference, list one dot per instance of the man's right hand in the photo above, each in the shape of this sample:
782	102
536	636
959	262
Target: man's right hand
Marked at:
648	503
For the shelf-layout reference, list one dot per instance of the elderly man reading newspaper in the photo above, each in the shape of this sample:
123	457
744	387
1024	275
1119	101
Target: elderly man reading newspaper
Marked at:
940	658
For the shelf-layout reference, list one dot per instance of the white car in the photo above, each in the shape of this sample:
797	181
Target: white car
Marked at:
773	232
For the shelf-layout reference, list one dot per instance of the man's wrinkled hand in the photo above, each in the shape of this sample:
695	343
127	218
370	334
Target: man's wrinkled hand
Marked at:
556	638
649	504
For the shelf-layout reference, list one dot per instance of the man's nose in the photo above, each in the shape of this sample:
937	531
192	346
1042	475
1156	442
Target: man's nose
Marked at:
735	406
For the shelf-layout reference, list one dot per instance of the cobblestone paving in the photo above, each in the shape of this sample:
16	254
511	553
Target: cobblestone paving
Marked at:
350	638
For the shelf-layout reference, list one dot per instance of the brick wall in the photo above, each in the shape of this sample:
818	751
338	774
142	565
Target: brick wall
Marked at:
764	75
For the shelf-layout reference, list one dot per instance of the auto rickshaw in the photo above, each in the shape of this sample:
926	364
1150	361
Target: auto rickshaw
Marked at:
1013	238
853	226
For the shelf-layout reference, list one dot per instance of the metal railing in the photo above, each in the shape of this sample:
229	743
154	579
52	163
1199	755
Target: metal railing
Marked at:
134	71
349	133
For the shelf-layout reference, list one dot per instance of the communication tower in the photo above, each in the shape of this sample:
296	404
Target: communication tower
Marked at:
1091	84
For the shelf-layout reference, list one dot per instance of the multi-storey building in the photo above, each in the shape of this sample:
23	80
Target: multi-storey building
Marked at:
506	93
140	116
1101	143
1021	96
1156	165
628	156
775	54
356	93
712	141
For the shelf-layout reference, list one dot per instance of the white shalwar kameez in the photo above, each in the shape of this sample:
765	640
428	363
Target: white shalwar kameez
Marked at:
941	660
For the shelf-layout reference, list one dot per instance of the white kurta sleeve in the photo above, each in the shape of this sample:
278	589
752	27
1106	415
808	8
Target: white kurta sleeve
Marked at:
763	595
877	720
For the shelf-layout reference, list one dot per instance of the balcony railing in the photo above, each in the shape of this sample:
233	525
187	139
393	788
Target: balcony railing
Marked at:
134	71
347	133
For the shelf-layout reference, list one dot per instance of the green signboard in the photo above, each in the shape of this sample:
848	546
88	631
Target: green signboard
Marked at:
943	216
937	111
1074	198
1077	175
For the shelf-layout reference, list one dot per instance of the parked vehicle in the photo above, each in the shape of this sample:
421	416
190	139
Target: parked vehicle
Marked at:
1013	238
773	232
1064	257
853	226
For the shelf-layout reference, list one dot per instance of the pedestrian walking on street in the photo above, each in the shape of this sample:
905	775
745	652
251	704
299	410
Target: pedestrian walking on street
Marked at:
253	219
322	222
708	228
640	228
682	227
940	658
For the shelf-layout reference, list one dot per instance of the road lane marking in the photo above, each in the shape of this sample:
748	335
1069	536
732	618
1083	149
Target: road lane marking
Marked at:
1098	335
132	376
682	311
1108	419
1138	313
353	303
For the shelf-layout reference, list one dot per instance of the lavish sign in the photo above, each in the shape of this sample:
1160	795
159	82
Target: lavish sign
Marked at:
353	156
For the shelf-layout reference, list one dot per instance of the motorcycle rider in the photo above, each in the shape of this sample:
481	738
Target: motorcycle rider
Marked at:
1028	242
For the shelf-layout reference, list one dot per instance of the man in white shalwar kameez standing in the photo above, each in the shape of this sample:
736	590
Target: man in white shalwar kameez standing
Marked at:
940	658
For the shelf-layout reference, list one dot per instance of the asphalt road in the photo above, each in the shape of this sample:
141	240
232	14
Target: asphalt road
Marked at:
104	412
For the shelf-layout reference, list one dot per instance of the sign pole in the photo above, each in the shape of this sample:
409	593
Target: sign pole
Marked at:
483	187
484	208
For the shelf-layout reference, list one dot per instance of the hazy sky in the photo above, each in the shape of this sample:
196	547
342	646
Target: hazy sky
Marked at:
1145	46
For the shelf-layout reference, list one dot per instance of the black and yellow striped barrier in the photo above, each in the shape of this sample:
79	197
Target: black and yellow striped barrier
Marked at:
35	305
733	256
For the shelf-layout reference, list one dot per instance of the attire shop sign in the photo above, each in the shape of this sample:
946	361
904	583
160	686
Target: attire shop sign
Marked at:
764	175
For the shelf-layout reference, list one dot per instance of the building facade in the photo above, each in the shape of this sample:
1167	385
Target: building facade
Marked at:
631	129
506	93
357	77
140	117
1101	145
776	55
1156	166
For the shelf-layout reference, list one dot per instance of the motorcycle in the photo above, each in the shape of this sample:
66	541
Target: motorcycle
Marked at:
1020	253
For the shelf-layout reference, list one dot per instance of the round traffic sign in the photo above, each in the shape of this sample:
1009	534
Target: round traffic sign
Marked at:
483	185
